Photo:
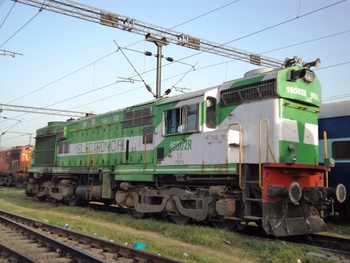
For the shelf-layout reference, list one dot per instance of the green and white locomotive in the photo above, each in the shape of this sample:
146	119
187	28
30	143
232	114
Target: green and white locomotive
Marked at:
243	151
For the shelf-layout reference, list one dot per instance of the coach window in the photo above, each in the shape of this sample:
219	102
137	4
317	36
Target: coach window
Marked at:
341	150
210	112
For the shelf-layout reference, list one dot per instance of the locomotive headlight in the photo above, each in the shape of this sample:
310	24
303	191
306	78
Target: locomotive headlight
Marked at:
307	75
291	157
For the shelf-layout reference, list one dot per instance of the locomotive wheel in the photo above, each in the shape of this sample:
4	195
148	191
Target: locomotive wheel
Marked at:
179	219
42	198
74	202
229	225
137	214
78	201
108	202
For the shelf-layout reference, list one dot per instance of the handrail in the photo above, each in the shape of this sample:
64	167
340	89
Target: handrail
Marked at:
325	154
240	152
87	158
95	159
299	106
268	148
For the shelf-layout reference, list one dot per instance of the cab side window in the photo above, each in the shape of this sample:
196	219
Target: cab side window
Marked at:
181	120
211	112
171	121
190	118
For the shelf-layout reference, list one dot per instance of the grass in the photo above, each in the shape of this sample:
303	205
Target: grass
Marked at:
188	243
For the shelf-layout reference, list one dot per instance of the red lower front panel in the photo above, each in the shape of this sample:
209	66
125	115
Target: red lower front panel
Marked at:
284	175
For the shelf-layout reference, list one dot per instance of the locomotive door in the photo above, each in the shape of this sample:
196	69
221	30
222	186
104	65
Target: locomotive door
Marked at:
147	141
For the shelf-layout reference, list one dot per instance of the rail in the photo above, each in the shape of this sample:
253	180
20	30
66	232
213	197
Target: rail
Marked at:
49	235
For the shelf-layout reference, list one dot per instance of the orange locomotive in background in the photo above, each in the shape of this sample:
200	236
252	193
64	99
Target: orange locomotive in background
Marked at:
14	163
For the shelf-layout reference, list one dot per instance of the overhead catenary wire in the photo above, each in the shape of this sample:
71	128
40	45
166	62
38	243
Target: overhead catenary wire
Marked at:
286	21
29	93
197	69
207	13
30	20
8	13
63	77
231	60
272	26
148	87
20	29
245	36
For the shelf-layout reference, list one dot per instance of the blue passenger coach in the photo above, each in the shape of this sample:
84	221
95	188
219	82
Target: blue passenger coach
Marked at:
334	118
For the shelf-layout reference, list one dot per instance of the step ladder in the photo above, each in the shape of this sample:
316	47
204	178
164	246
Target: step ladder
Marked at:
89	187
253	203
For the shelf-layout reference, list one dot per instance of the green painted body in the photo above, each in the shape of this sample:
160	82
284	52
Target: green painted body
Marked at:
116	140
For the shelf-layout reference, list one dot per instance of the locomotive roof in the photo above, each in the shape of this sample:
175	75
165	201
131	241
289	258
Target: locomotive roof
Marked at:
16	148
193	94
335	109
197	93
185	96
161	101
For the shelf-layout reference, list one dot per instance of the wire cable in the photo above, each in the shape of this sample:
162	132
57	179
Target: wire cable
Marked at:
41	88
207	13
272	26
7	13
231	42
63	77
20	28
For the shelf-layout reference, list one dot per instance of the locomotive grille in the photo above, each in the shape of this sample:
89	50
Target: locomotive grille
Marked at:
138	118
45	150
254	91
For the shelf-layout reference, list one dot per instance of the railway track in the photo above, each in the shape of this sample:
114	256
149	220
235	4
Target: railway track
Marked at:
334	248
26	240
99	250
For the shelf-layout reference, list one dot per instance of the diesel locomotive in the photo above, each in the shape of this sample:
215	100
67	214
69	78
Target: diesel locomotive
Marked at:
243	151
14	163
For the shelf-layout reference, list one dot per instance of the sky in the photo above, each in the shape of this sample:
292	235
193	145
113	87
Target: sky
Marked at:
67	63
